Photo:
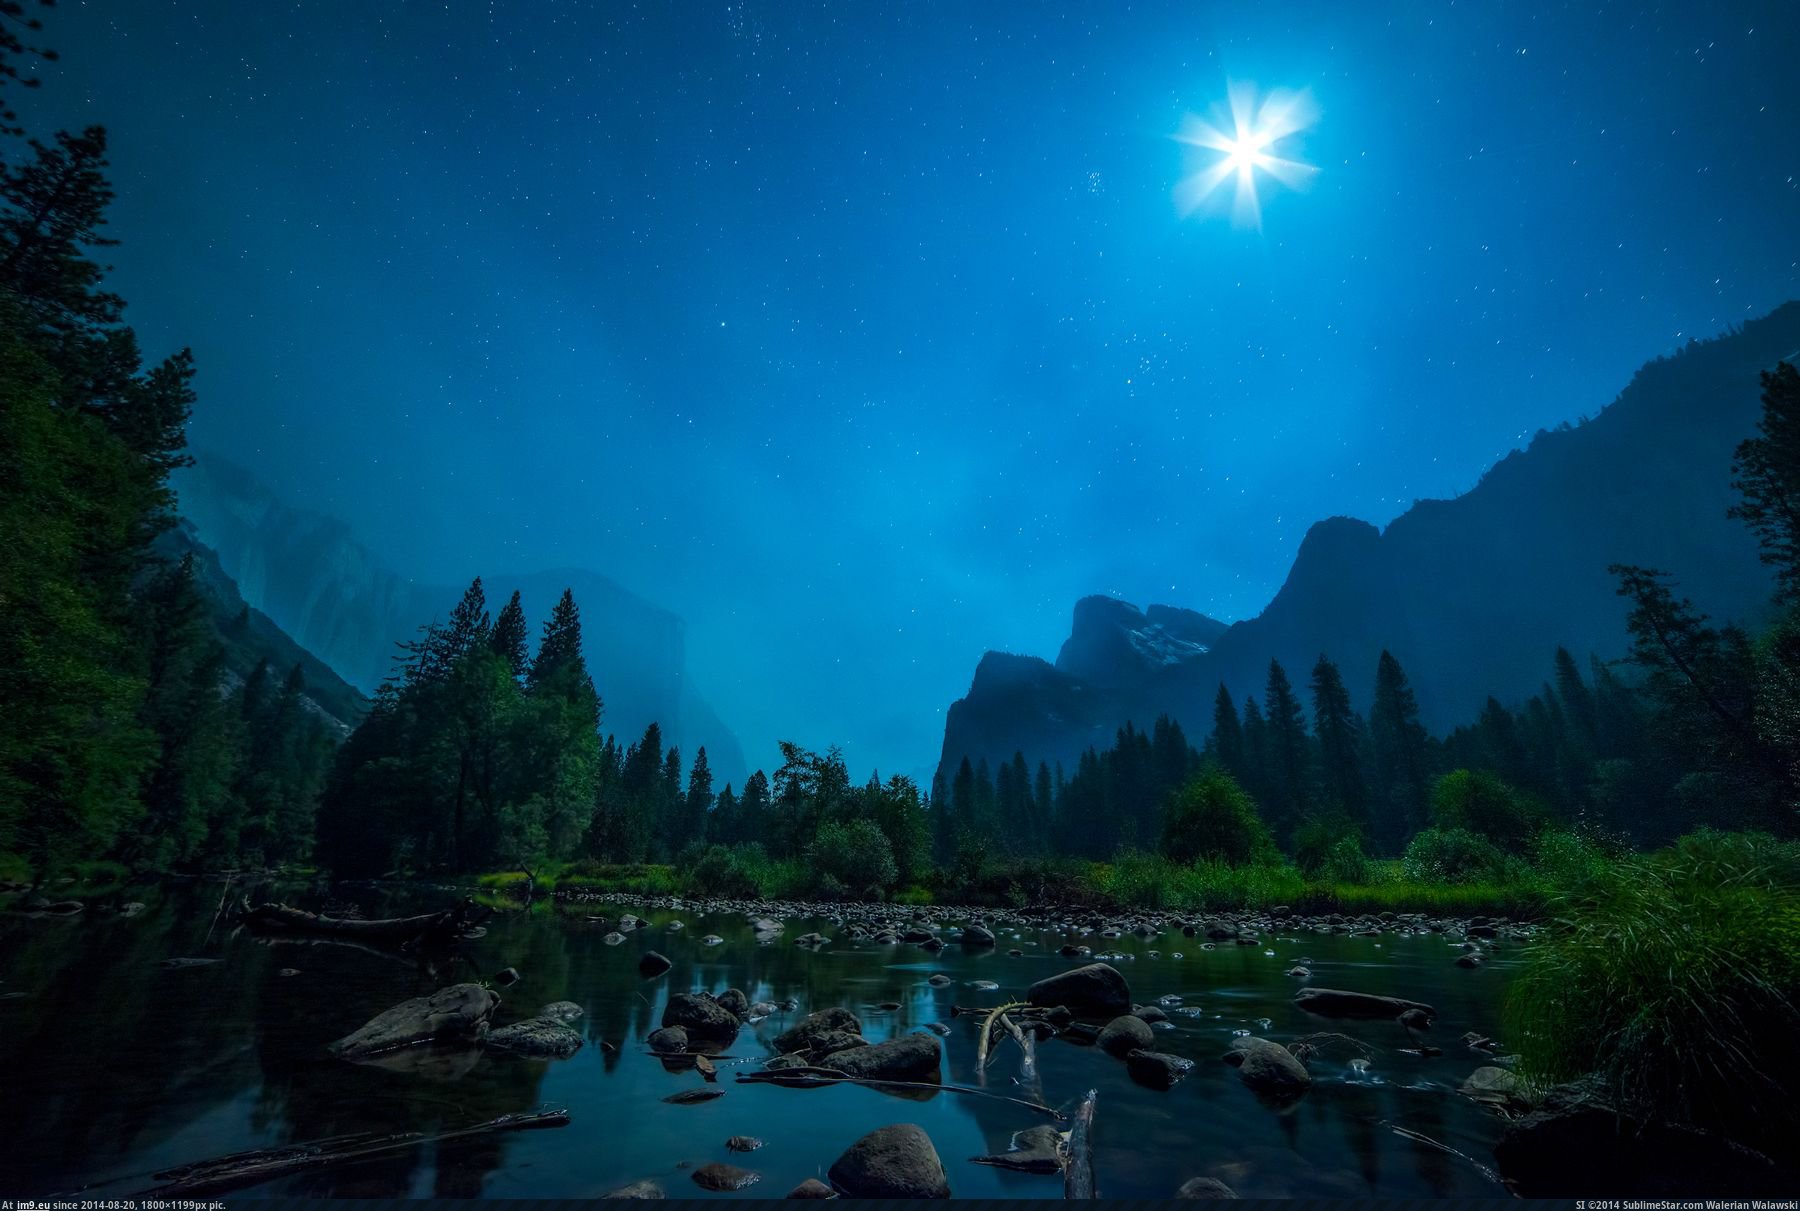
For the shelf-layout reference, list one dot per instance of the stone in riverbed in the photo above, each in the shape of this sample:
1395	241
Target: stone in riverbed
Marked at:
643	1189
560	1011
734	1002
1470	960
693	1097
1096	990
977	935
1496	1087
913	1057
812	1187
1269	1069
891	1162
806	1034
653	965
457	1013
1034	1150
700	1015
1126	1034
670	1040
1157	1069
717	1175
540	1037
1337	1003
1205	1187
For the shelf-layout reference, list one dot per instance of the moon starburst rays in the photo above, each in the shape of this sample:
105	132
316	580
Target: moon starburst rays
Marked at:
1244	145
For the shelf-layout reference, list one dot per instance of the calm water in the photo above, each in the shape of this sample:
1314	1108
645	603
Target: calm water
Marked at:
117	1067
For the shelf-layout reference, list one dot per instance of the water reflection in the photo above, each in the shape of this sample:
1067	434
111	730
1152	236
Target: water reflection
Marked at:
120	1067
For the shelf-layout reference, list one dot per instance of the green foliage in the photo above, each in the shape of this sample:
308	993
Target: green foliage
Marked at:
1673	975
1212	819
1456	855
719	871
852	857
1316	837
1478	802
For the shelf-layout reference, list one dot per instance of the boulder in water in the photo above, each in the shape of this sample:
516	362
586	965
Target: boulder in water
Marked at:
459	1012
1096	990
891	1162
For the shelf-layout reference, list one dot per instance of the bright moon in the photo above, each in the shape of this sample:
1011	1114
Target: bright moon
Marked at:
1243	147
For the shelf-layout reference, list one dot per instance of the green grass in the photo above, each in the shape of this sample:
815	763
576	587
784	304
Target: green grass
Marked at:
642	879
1673	975
1148	881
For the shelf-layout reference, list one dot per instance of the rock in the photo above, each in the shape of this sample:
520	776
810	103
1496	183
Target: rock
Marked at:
712	939
613	939
1205	1187
186	964
1416	1019
734	1002
977	935
1299	973
652	965
1576	1144
891	1162
743	1143
940	980
1034	1150
1157	1069
700	1015
1496	1087
1150	1013
507	977
1126	1034
693	1097
459	1012
912	1057
716	1175
643	1189
1269	1069
543	1037
131	908
288	972
670	1040
1218	930
1336	1003
560	1011
803	1035
812	1187
1095	990
1470	960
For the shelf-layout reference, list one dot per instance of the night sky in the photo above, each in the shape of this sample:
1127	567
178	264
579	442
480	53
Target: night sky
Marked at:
869	337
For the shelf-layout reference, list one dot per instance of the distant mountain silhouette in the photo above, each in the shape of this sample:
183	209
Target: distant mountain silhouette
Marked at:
1473	595
308	572
250	637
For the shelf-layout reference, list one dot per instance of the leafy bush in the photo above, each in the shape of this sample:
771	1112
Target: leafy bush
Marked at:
1673	975
1211	818
1565	858
1455	855
851	857
1345	862
1478	802
719	871
1314	838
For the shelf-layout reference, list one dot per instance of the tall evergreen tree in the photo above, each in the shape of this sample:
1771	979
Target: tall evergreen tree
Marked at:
1339	736
509	637
1227	743
1288	761
1766	473
1398	758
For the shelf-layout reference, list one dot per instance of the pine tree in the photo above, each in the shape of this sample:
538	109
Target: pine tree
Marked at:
1399	773
1766	473
1289	776
699	798
1339	735
1226	746
54	209
508	638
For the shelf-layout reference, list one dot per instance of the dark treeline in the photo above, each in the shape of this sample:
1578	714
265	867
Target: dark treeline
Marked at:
123	732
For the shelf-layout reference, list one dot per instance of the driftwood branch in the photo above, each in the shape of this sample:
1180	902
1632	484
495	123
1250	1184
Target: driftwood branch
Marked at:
1078	1174
242	1169
804	1078
428	929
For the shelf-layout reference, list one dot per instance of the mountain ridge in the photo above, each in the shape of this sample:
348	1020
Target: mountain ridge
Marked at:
1646	481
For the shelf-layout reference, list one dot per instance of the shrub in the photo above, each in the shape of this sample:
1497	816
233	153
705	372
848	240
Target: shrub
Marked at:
1478	802
851	857
1454	855
1345	862
1211	818
1314	838
1673	976
718	871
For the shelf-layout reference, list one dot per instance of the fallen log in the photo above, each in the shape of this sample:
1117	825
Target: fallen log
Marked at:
1078	1173
427	929
242	1169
